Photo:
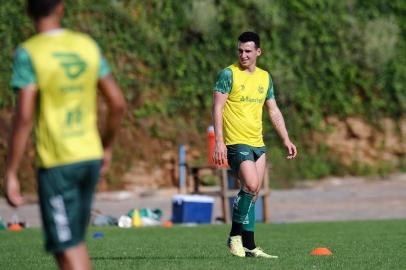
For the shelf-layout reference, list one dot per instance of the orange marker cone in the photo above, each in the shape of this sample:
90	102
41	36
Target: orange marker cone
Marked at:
15	227
167	224
321	251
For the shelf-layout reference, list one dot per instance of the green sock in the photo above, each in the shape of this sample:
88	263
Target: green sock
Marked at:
249	222
242	206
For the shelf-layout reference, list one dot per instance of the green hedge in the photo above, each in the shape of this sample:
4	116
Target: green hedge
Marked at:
326	57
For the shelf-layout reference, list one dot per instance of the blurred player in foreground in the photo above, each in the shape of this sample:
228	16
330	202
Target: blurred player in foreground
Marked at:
56	74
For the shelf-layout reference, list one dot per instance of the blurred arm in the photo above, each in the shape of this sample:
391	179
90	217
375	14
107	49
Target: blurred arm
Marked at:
117	106
22	125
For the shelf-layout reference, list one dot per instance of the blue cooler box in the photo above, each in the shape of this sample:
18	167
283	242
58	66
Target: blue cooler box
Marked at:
192	209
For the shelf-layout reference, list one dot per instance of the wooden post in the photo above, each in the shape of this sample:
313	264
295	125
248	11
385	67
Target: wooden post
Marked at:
224	195
196	180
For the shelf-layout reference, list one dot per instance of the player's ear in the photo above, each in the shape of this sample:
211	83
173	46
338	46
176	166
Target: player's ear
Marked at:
259	51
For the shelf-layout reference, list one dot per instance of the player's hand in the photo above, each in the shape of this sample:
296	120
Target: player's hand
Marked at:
108	152
12	190
220	153
291	149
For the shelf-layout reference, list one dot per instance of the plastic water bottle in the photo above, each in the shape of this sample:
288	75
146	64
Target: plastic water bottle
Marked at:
2	224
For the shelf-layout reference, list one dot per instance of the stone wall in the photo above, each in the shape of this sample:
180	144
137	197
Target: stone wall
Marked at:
354	140
351	140
165	173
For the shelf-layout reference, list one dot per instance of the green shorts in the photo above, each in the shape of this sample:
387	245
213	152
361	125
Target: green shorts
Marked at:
66	194
237	153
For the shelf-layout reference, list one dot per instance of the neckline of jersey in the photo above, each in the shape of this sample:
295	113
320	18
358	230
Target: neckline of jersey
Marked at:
246	71
54	32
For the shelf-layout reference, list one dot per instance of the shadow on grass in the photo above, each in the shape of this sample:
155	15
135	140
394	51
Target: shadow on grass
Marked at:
137	258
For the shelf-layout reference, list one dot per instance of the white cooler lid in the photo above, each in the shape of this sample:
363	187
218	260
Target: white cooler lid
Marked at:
192	198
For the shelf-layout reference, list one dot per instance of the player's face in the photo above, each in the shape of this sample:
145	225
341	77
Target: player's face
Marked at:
247	54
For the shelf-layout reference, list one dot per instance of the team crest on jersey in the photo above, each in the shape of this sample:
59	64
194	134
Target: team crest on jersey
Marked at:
72	64
242	87
261	89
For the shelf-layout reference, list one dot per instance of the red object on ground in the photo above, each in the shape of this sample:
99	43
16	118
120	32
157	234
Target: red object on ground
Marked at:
167	224
211	143
321	251
15	227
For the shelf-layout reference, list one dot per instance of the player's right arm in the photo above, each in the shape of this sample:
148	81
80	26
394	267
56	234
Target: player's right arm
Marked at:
220	149
24	81
22	125
222	88
117	106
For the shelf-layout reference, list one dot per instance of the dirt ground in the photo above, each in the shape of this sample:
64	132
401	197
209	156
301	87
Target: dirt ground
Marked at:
351	198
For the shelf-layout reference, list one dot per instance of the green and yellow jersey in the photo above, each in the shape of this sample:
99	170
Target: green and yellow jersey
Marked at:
65	67
247	93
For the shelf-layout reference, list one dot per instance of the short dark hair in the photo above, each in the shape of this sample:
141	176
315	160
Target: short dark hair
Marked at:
250	36
38	9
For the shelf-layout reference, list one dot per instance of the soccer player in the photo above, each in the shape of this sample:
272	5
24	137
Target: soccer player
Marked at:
56	74
240	92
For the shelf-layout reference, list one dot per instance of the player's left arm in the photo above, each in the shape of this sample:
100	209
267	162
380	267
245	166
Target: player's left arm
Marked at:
279	123
22	125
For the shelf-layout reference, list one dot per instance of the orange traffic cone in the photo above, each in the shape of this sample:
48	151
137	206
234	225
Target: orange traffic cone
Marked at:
167	224
15	227
321	251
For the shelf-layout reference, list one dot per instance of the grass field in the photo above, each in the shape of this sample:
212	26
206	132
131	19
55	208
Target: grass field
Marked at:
356	245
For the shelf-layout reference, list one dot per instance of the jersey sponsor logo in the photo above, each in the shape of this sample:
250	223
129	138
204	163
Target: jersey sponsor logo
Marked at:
73	65
244	153
72	88
251	100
